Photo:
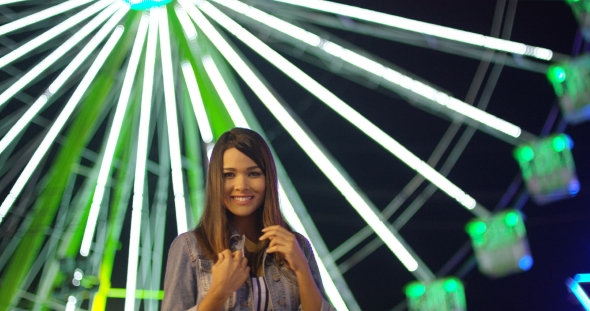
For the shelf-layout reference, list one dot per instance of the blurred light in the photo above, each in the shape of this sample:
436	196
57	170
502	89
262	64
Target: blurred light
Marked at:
415	290
224	92
525	154
582	278
377	69
511	219
451	285
525	263
197	101
78	274
71	305
574	187
346	111
556	74
141	159
579	292
172	123
559	143
146	4
60	51
55	31
76	282
60	122
476	228
424	28
41	15
187	26
109	151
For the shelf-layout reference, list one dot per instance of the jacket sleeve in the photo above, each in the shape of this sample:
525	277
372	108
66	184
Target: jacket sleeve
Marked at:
315	272
180	282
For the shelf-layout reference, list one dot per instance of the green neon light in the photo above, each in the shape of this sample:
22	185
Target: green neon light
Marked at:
141	5
415	290
139	293
556	74
511	219
476	228
559	143
451	285
525	154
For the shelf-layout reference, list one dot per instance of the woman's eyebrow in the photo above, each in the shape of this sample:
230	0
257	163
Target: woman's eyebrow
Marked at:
248	168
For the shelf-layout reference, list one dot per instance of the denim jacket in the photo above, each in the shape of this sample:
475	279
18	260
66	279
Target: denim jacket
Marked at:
188	278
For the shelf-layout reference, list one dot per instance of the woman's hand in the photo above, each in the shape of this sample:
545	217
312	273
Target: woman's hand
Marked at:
285	242
229	273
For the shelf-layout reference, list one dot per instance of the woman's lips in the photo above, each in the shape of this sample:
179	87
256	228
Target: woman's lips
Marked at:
242	199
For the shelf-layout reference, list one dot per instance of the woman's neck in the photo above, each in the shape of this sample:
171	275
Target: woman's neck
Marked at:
246	226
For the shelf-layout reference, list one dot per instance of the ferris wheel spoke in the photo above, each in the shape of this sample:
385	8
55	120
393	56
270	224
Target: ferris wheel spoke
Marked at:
107	158
59	122
172	122
54	87
407	24
393	79
140	166
41	15
346	111
55	31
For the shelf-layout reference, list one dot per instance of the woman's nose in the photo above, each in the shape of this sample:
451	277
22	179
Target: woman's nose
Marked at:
241	183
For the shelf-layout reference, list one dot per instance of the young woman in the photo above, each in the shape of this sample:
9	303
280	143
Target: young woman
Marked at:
242	255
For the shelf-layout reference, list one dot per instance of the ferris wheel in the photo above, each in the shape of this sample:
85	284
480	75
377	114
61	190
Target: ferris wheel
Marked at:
110	108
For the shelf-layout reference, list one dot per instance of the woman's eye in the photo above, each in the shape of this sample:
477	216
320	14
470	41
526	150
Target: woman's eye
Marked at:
228	175
255	174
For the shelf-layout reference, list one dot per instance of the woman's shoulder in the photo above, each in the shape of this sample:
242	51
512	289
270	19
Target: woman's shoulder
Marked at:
186	243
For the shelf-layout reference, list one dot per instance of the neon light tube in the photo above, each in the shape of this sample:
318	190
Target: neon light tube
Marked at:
41	15
172	122
197	101
140	163
60	122
314	152
187	26
224	93
582	278
53	32
65	74
56	54
375	68
107	159
344	110
424	28
579	292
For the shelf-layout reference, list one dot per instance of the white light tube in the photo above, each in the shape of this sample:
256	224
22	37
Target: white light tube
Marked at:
379	70
315	154
187	26
329	286
341	108
53	32
107	160
224	93
140	163
172	122
197	101
424	28
60	121
41	15
65	74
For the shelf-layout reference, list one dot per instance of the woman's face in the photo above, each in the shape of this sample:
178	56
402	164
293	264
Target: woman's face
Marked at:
244	183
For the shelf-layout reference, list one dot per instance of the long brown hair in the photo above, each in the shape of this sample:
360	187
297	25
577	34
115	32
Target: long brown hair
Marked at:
213	231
